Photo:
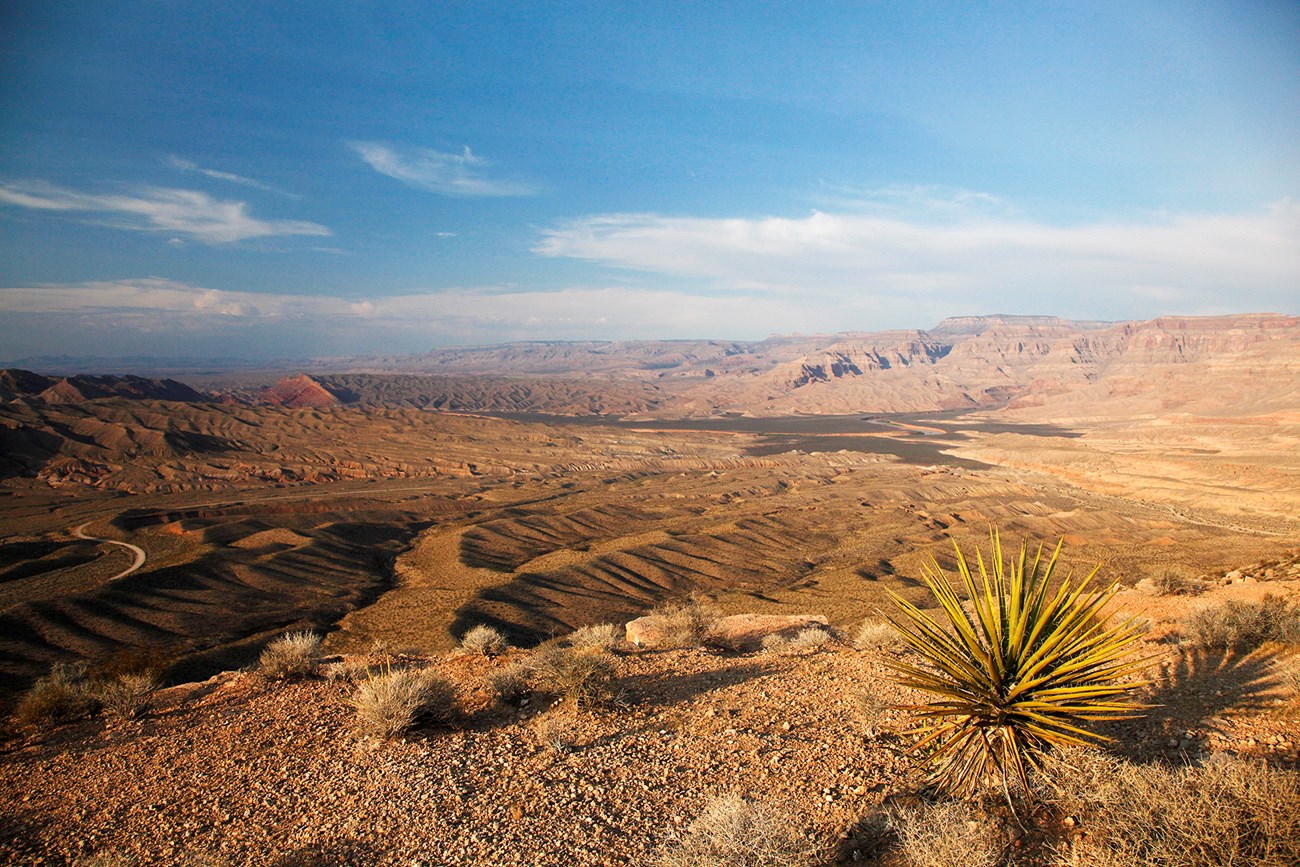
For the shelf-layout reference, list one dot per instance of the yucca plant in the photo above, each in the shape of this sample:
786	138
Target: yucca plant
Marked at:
1018	672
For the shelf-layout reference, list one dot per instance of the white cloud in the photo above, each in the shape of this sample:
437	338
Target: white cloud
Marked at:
188	213
188	166
967	260
463	174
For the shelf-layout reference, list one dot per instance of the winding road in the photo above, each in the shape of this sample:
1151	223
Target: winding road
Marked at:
136	550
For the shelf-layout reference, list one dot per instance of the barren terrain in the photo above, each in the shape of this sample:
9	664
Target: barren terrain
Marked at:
344	503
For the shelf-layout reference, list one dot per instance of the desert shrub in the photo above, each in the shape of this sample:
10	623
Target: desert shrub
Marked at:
581	676
484	640
1173	583
390	702
602	636
810	638
59	697
774	643
1245	625
877	635
1034	662
1288	672
555	732
1226	811
685	624
732	832
126	695
945	834
510	683
291	655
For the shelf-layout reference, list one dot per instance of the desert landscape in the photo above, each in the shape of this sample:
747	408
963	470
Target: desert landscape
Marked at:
392	505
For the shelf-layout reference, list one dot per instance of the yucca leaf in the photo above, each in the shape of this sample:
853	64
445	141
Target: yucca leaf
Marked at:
1026	667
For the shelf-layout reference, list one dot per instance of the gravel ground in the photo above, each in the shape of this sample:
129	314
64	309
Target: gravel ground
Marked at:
239	770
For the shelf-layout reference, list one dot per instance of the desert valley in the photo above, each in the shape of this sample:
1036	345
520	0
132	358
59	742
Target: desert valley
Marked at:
392	504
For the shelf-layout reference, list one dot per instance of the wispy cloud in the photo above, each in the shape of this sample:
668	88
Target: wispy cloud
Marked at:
1174	263
156	317
450	174
229	177
188	214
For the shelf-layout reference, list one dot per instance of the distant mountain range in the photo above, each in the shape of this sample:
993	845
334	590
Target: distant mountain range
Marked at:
1239	363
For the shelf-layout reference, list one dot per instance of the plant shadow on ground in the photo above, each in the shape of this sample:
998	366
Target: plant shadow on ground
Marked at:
660	691
1194	693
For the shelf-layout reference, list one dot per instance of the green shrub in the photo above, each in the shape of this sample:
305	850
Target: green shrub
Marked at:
1032	664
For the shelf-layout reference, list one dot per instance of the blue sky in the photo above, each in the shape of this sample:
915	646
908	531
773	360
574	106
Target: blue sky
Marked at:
286	179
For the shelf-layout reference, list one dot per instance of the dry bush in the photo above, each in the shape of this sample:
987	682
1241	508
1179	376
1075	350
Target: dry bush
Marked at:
555	732
126	695
811	638
1288	672
484	640
775	643
1226	811
390	702
582	677
685	625
732	832
1245	625
877	635
289	656
59	697
1174	583
509	684
602	636
945	834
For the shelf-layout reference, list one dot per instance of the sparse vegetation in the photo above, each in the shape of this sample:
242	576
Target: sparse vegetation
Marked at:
290	656
59	697
1172	583
1226	811
484	640
581	676
686	624
811	638
388	703
774	643
1035	662
554	732
1245	625
509	684
733	832
126	695
602	636
877	635
945	834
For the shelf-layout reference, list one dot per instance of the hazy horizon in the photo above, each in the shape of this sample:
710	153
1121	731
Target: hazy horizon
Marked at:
255	183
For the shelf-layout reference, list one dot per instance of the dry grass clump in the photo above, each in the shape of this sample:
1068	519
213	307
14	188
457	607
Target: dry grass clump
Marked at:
509	684
811	638
1171	583
1245	625
61	696
684	625
1227	811
774	643
1288	672
580	676
484	640
289	656
732	832
390	702
555	732
602	636
877	635
126	695
945	834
